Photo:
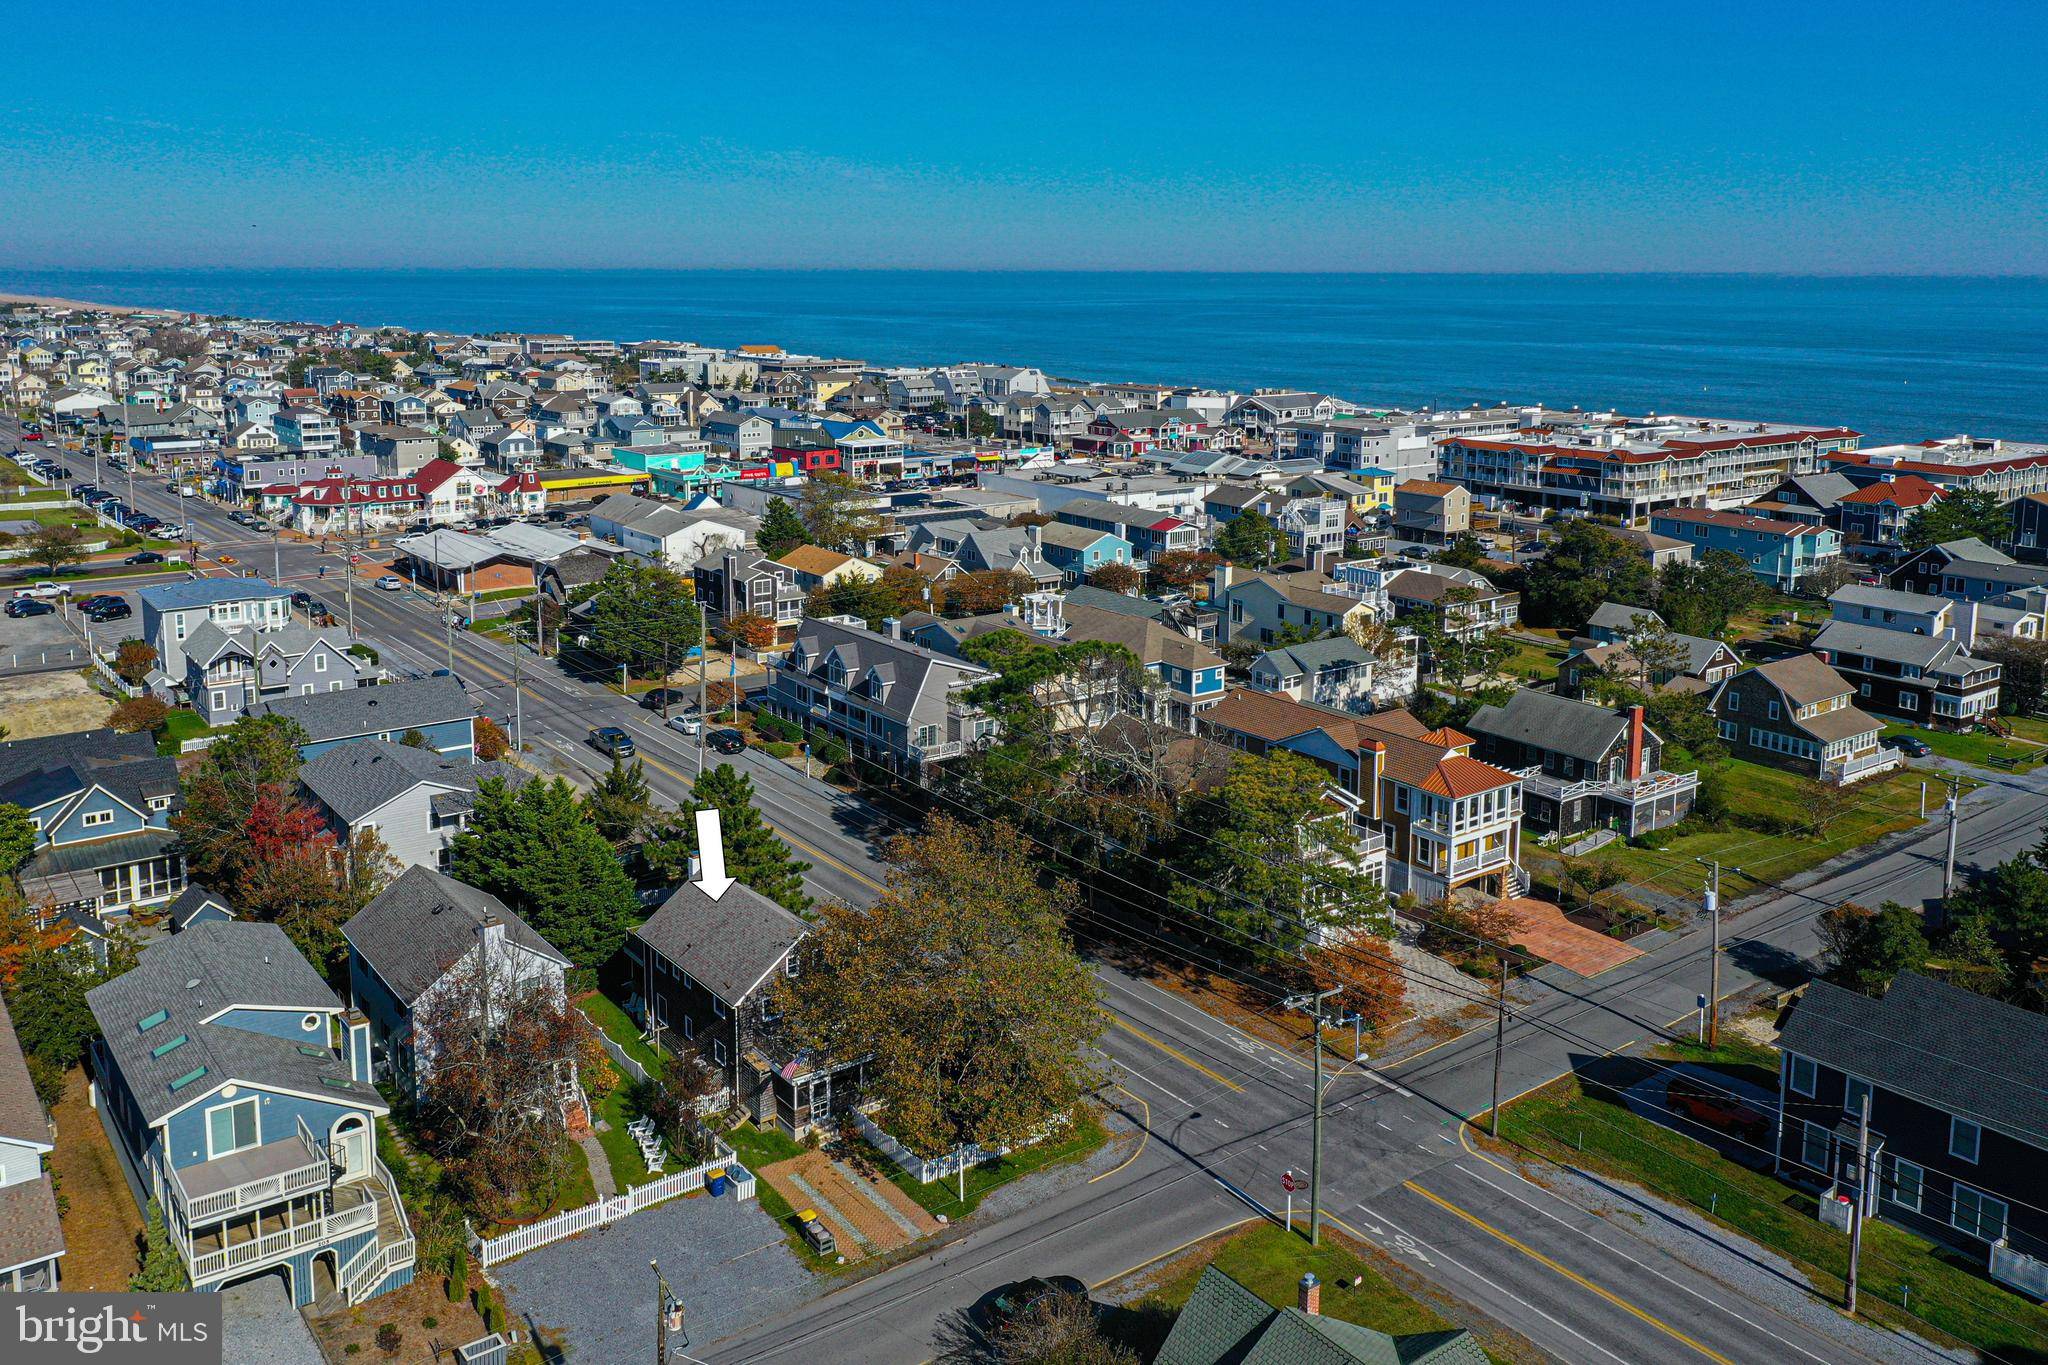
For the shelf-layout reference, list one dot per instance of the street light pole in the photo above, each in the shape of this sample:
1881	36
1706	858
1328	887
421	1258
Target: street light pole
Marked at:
1714	960
1500	1029
1314	1004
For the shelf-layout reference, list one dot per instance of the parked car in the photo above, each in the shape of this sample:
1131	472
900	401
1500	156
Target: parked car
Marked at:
391	582
656	698
116	610
689	725
1710	1107
18	607
1912	746
612	741
98	599
727	741
43	587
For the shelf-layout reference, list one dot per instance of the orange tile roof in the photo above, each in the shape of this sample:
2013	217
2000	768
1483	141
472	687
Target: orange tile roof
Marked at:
1461	776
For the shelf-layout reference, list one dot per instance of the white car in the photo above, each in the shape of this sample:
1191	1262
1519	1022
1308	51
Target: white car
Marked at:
689	725
43	588
391	582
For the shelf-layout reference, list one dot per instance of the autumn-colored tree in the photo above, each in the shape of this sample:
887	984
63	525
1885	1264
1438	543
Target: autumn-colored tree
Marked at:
133	660
990	590
494	1049
256	754
839	512
1183	569
138	714
53	547
746	628
1367	977
1117	576
961	984
490	740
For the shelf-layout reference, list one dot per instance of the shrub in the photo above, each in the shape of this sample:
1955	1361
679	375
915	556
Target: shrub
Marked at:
137	714
1620	914
430	1323
828	749
389	1338
363	651
780	749
492	743
133	660
775	727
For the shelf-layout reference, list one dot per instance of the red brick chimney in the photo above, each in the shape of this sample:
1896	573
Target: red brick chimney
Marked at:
1635	742
1311	1295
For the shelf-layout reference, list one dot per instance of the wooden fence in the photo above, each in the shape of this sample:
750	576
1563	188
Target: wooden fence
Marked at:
490	1251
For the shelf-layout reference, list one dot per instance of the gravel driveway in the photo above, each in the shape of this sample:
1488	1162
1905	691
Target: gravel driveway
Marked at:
725	1259
259	1326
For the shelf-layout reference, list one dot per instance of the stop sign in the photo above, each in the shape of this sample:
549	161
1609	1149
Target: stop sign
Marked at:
1287	1181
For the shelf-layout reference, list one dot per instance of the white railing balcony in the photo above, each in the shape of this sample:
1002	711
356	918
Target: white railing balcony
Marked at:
1474	864
272	1246
932	753
274	1172
1859	766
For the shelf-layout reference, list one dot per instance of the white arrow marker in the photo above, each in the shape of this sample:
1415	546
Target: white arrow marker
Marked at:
711	854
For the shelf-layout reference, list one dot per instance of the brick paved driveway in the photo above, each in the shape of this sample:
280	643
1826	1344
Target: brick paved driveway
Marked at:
725	1259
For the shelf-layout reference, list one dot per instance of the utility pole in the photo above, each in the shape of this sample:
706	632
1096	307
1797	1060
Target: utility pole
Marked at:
448	624
518	706
1500	1029
1948	866
703	662
666	1311
1314	1004
1856	1212
276	558
1714	961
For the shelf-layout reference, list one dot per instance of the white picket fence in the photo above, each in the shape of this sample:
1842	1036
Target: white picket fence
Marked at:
490	1251
923	1169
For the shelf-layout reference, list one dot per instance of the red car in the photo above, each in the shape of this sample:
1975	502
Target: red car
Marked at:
32	433
1713	1108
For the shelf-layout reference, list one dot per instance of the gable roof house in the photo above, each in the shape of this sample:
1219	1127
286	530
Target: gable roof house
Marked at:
736	582
229	669
1875	515
817	567
665	533
173	611
218	1073
1958	1126
1260	607
1799	714
1225	1323
100	807
416	801
707	969
891	701
31	1238
427	933
1583	767
1337	672
436	707
1700	664
1926	678
1418	591
1967	569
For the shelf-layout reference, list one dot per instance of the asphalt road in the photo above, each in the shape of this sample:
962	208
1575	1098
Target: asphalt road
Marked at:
1223	1114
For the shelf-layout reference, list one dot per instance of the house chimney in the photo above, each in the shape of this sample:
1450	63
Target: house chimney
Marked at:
892	627
1311	1295
491	930
1635	742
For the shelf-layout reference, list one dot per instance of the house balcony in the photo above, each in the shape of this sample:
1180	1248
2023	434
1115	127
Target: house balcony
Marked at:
1856	767
250	1179
1479	864
1657	786
259	1238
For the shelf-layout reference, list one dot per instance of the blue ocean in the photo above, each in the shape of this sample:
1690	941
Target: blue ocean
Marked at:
1896	358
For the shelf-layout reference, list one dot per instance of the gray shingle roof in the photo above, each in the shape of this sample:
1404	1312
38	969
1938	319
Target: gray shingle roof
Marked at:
727	944
1619	616
197	974
1313	655
1559	724
1896	646
423	923
354	779
392	708
1960	1052
193	899
29	1230
21	1112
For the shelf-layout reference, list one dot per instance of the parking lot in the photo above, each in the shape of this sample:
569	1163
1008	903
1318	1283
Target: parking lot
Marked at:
29	642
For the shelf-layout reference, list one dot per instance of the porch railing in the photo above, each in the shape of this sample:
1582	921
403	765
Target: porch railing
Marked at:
316	1174
271	1246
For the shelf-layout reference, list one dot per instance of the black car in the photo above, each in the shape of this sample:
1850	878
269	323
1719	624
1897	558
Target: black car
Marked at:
99	599
1909	745
727	741
610	739
19	607
660	697
144	557
112	611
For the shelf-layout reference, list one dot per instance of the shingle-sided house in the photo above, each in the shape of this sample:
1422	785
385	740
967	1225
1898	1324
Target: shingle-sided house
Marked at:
238	1092
415	800
1933	680
31	1240
229	669
1697	666
171	612
1224	1323
1797	713
893	702
1583	767
436	707
706	970
746	582
1966	569
420	933
100	804
1958	1087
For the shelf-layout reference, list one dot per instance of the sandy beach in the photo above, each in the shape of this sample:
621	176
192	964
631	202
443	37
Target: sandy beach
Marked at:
44	301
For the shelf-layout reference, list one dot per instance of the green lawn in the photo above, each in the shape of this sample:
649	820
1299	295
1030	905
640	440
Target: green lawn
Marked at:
1980	747
1753	623
606	1014
756	1148
1528	660
1076	1141
1577	1122
617	1109
1270	1262
179	726
1873	809
34	495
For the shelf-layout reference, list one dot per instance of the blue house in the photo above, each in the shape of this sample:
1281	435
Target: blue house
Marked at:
100	804
240	1099
172	612
1078	551
436	707
1778	551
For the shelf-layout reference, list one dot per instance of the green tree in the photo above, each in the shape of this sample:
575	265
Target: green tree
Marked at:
415	739
1700	597
1250	540
1464	552
1957	516
1973	959
754	854
47	1000
839	512
54	547
2023	675
1454	645
2012	900
257	755
782	530
163	1269
17	837
1275	861
621	801
1864	949
1590	564
960	984
646	617
535	850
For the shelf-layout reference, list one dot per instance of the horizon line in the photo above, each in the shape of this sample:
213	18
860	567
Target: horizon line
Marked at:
1024	270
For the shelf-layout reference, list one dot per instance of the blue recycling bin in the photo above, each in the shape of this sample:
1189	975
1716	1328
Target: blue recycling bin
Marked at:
716	1182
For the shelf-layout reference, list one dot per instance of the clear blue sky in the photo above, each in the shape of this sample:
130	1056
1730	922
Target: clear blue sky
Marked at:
1480	135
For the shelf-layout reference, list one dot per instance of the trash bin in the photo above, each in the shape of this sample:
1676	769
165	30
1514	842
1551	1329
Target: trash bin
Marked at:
715	1181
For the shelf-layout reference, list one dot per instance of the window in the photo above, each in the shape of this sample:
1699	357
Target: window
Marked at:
1734	701
1813	1147
1853	1091
718	1007
96	817
1977	1214
231	1127
689	1027
319	663
1726	729
1799	1074
1909	701
1908	1182
1771	710
718	1051
1965	1139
